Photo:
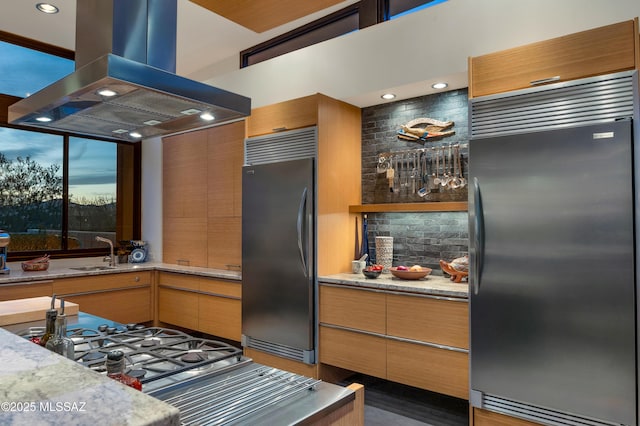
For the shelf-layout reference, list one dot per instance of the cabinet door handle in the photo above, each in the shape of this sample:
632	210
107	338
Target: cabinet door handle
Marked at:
279	129
544	80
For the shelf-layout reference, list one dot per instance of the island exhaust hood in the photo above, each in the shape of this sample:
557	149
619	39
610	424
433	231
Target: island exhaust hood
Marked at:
124	86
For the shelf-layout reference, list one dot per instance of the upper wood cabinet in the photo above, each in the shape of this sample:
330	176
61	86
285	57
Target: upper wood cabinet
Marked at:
338	167
603	50
289	115
202	197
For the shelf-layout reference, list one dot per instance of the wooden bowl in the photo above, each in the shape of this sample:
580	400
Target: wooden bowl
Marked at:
410	275
30	267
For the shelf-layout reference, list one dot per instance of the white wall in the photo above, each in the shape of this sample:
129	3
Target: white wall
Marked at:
416	49
152	196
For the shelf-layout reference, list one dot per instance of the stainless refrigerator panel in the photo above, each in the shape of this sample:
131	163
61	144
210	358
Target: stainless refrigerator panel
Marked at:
552	287
278	267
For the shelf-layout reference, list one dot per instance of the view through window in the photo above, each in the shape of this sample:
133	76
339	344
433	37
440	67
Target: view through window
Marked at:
59	191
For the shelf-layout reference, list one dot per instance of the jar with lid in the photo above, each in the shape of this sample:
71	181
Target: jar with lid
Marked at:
115	370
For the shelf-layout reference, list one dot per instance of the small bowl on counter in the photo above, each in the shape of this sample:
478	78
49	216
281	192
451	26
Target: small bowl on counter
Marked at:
409	274
371	272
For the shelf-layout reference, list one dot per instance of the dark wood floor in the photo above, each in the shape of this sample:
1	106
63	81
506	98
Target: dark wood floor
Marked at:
388	403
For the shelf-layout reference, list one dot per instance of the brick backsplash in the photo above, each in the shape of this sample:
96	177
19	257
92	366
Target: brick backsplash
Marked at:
419	238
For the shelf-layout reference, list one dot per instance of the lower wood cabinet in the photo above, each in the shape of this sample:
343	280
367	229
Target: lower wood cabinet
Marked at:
417	340
25	290
489	418
209	305
123	297
353	351
427	367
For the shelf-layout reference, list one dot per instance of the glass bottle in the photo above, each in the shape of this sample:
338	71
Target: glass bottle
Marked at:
115	370
60	343
50	327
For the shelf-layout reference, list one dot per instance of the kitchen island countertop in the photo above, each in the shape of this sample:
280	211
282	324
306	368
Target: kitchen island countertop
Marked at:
44	388
435	285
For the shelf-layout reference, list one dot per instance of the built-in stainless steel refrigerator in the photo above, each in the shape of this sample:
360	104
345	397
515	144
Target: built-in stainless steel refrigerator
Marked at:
278	258
553	253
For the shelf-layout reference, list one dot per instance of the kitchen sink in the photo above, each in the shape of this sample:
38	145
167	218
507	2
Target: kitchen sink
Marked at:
93	268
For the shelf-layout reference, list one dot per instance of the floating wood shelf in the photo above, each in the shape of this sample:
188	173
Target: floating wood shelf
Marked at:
445	206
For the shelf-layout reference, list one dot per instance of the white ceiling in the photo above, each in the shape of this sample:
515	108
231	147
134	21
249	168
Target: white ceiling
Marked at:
203	38
403	56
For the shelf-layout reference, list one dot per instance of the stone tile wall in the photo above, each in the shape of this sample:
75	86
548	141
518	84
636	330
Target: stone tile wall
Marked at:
419	238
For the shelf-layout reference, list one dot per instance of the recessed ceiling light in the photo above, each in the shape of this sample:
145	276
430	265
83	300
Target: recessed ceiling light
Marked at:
47	8
388	96
190	111
106	93
207	116
135	135
119	131
439	85
152	122
44	119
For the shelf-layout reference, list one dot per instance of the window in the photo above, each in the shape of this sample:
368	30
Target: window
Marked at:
353	17
59	191
29	70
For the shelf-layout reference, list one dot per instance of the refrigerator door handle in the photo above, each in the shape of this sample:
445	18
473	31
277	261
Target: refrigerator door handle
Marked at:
478	236
301	210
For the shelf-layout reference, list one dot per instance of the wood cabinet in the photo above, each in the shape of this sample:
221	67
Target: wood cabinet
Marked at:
208	305
418	340
603	50
123	297
25	290
489	418
202	197
289	115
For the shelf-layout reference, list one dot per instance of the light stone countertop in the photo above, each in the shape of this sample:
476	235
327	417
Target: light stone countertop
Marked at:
60	268
39	387
435	285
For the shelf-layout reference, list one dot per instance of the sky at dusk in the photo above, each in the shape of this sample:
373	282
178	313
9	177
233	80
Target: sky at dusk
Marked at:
92	164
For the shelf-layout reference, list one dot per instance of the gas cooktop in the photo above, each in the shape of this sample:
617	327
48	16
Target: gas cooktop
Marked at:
156	356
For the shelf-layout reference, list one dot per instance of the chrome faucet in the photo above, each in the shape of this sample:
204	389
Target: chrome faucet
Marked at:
112	259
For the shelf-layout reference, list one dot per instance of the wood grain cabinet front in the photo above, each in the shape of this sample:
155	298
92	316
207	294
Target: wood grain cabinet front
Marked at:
25	290
602	50
202	197
208	305
289	115
489	418
418	340
123	297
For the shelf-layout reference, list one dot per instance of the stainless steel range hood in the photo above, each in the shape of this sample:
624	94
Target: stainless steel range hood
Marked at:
127	47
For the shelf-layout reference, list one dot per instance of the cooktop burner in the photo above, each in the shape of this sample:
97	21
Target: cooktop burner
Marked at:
150	353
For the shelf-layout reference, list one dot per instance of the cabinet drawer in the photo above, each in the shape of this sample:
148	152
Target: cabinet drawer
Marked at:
123	306
221	287
354	351
488	418
359	309
293	114
25	290
220	316
187	282
424	367
445	322
101	282
178	307
598	51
